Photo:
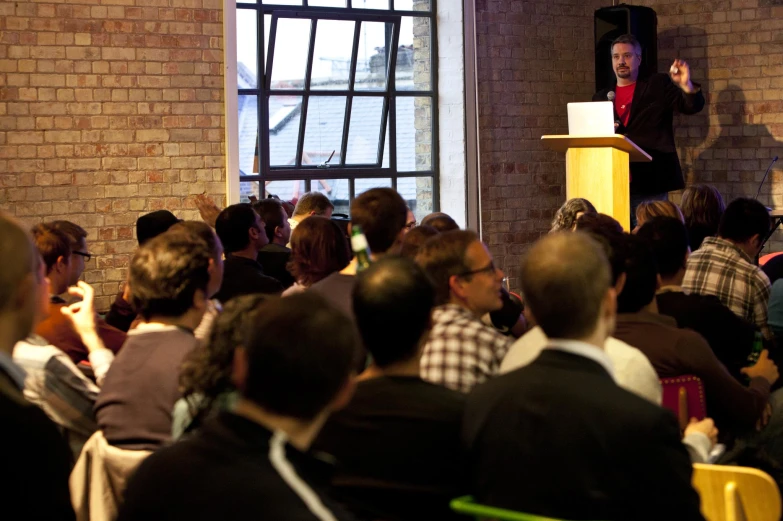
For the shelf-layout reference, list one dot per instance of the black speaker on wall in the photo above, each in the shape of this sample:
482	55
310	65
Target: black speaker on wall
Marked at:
611	22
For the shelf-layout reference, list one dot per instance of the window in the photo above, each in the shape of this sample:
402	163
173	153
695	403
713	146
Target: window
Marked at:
345	101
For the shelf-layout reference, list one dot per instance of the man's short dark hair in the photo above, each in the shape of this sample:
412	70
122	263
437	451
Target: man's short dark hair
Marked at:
440	221
51	244
668	238
150	225
443	256
743	219
610	235
204	232
392	302
76	234
629	39
233	225
641	276
381	212
300	352
565	277
312	202
414	239
272	213
166	272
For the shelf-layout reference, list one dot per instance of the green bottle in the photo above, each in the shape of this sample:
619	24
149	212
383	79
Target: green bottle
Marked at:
755	353
360	248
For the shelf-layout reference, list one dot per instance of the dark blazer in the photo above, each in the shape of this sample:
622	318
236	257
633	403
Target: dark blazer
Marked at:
655	100
36	460
274	258
244	277
559	438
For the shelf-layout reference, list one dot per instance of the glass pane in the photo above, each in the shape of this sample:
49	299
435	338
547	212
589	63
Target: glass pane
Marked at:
412	5
249	159
365	131
246	189
362	185
332	54
371	4
285	190
284	118
418	193
267	26
414	134
372	61
413	70
247	49
324	130
291	46
246	1
326	3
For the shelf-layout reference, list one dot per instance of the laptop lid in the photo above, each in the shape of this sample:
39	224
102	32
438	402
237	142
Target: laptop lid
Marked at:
593	118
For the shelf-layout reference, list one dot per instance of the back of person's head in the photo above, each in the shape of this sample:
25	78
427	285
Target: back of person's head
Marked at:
668	239
300	355
702	205
76	234
444	256
393	291
381	212
314	203
318	249
18	279
567	215
641	276
167	272
598	222
233	226
440	221
649	209
273	215
52	244
743	219
415	238
565	279
153	224
613	244
203	231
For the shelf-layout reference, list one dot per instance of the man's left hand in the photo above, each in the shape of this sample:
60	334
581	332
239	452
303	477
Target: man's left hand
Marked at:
680	73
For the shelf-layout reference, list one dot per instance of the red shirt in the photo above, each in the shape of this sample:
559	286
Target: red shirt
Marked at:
622	101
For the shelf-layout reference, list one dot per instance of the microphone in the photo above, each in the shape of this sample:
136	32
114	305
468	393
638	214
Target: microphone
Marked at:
610	95
765	177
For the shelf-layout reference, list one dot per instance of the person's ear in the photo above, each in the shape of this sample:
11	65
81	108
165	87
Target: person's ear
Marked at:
610	307
239	368
620	284
62	264
457	287
344	395
311	213
278	231
658	281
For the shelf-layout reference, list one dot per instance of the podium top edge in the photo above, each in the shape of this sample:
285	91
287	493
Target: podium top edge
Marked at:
561	143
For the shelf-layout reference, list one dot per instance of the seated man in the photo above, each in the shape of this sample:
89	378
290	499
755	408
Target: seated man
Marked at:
65	265
169	279
242	234
415	424
723	265
275	255
730	337
558	437
254	462
461	351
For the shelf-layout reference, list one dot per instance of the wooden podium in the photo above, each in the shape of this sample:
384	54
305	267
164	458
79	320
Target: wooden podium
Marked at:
597	170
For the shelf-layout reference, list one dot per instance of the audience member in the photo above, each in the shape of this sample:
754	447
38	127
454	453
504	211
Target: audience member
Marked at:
64	249
730	337
410	221
293	371
440	221
205	378
311	203
649	209
676	352
702	206
592	221
242	234
567	215
36	461
417	424
567	403
275	256
461	351
415	238
318	249
723	265
169	280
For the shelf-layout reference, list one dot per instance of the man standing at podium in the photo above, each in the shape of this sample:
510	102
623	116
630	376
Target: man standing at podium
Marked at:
644	111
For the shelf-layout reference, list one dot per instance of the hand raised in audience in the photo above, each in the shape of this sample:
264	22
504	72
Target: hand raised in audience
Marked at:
82	315
706	427
764	368
207	208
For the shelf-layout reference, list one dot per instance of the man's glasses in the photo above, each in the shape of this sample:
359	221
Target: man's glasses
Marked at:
87	256
489	268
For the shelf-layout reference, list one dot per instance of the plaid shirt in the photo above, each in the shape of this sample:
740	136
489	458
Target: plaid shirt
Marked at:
721	269
461	351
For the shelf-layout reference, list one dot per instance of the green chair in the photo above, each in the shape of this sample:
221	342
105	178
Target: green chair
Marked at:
466	505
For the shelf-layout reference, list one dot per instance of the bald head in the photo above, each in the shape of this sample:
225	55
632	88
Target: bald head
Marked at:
18	281
565	279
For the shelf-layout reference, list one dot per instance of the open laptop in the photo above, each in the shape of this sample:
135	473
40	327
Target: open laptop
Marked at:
593	118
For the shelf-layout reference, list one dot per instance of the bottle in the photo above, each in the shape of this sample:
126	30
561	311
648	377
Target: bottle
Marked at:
755	352
360	248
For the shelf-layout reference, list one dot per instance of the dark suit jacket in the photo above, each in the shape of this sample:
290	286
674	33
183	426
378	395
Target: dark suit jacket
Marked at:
655	100
244	277
274	258
559	438
36	460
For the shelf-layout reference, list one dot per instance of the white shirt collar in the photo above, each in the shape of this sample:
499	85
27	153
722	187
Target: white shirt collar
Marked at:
583	349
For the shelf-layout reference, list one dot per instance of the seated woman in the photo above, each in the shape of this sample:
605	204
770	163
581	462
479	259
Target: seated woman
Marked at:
702	207
566	215
318	249
649	209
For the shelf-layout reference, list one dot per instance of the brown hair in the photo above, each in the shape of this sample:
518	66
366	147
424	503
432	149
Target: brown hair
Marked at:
74	232
51	243
703	205
649	209
318	249
443	256
415	238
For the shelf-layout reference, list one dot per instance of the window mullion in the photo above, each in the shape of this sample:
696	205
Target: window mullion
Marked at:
306	93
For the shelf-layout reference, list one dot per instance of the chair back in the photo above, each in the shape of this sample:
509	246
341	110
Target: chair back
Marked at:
684	395
466	505
736	493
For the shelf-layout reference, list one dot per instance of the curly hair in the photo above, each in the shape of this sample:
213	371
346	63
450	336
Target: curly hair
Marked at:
318	249
566	215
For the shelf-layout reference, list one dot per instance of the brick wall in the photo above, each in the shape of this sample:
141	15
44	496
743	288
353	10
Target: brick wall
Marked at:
110	109
533	58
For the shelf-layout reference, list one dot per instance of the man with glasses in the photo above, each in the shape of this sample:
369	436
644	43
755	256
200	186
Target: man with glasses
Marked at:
644	109
461	351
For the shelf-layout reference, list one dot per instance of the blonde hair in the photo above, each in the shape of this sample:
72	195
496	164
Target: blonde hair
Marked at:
649	209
